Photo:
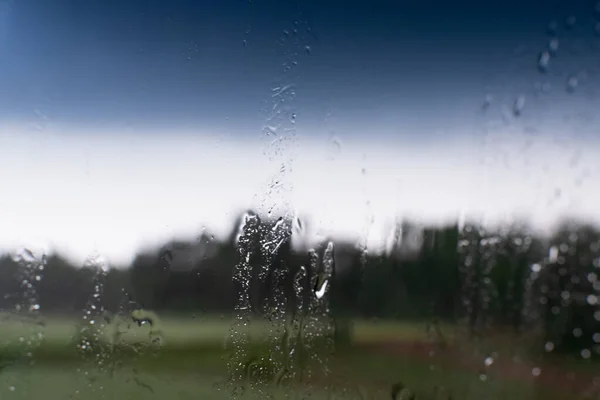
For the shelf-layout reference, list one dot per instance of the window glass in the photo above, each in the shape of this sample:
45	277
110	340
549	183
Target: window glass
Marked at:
309	199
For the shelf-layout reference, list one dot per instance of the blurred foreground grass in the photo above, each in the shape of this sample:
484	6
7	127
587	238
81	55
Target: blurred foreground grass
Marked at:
192	363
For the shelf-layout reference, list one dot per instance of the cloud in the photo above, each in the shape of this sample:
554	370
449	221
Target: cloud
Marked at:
85	192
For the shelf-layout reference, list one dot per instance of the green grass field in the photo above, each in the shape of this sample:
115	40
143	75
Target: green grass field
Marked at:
191	363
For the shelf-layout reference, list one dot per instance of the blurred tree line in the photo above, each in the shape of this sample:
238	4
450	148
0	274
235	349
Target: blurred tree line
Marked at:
485	279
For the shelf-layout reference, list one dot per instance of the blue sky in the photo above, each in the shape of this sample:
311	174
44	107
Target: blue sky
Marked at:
106	104
212	63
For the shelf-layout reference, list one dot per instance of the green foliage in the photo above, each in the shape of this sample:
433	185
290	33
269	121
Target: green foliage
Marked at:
426	284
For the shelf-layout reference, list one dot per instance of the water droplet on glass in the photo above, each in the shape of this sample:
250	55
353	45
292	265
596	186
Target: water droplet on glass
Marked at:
536	267
553	45
483	377
552	28
307	49
543	61
570	22
536	371
337	143
592	299
572	84
26	255
597	315
586	353
320	291
12	388
596	337
549	346
577	332
488	361
553	254
271	130
546	87
519	105
298	226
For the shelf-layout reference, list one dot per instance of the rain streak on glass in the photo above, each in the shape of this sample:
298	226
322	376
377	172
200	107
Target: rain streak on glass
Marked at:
272	237
477	250
104	338
23	315
544	61
553	45
296	350
519	105
296	342
320	327
90	336
282	116
239	336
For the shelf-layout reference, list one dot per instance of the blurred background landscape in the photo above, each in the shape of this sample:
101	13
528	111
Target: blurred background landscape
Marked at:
456	309
299	199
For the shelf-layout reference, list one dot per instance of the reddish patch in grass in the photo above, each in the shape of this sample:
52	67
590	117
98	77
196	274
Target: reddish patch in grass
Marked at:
552	373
